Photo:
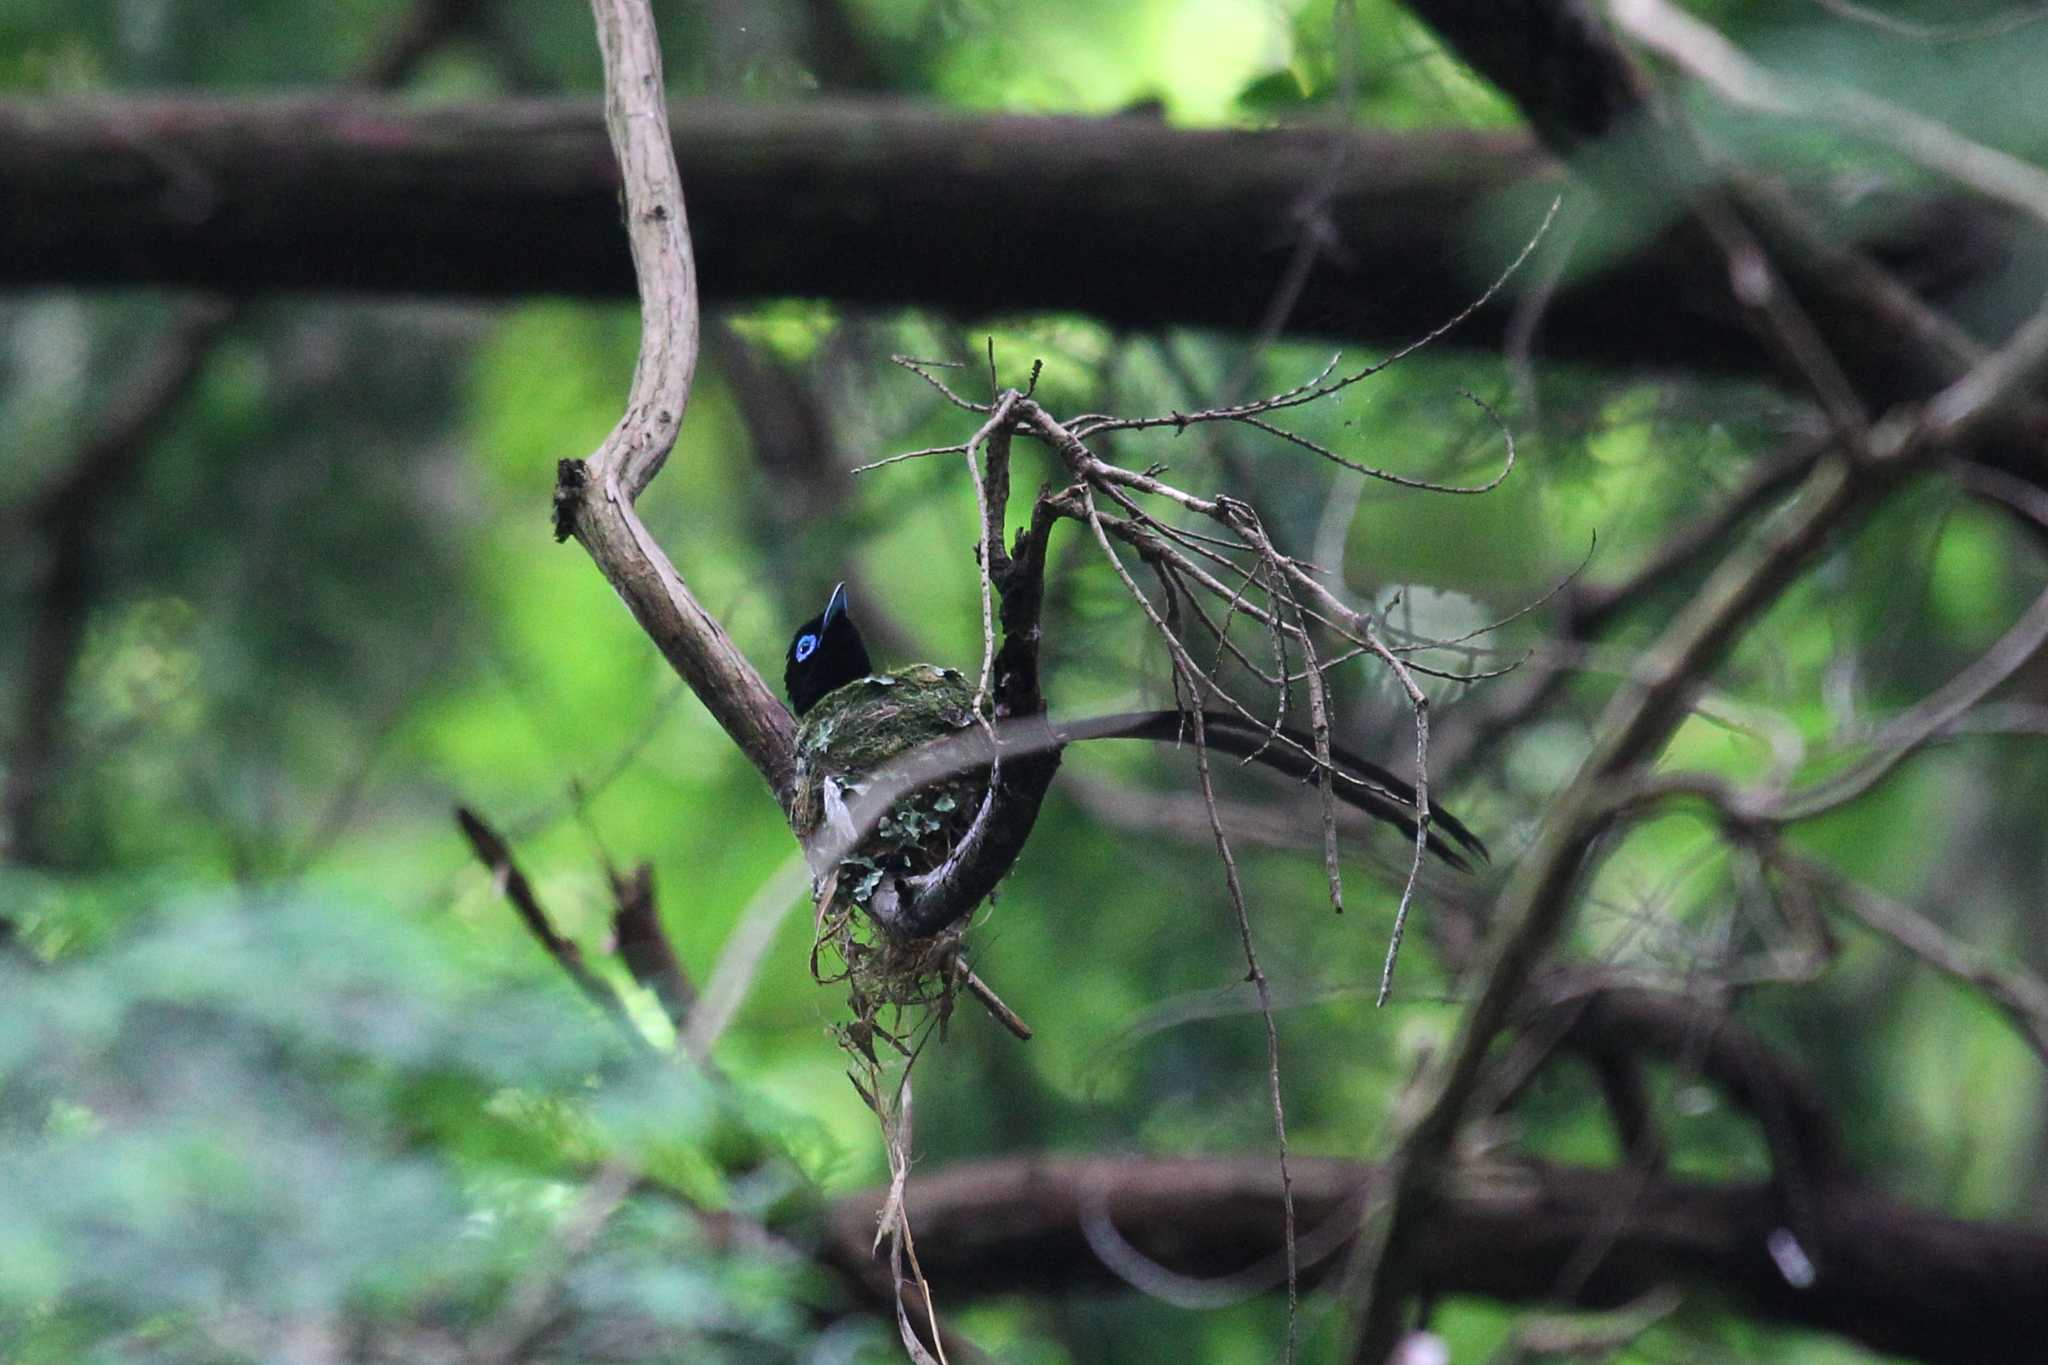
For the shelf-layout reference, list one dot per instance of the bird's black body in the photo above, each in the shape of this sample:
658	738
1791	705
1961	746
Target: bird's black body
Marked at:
828	657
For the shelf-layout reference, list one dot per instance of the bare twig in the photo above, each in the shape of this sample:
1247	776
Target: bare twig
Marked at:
1120	484
1257	977
993	1003
923	370
1322	386
1189	683
2020	996
1294	601
989	507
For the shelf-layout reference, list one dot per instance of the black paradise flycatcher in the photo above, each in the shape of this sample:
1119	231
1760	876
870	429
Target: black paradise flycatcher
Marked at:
853	721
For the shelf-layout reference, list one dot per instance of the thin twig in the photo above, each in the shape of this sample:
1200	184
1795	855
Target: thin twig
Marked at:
993	1003
1185	672
2020	996
1321	386
1257	977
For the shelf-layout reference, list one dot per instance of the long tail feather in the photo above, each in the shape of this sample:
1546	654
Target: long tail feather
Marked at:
1358	782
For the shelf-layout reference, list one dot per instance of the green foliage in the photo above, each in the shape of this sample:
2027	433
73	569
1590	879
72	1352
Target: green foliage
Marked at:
299	1110
276	1057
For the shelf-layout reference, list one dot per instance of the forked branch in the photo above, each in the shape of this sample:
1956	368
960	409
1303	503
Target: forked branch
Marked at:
594	497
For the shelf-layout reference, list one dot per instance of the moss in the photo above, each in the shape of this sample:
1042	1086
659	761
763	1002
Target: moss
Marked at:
858	727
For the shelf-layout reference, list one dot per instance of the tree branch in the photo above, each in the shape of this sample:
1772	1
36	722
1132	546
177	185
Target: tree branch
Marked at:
1535	906
594	498
1896	1278
874	203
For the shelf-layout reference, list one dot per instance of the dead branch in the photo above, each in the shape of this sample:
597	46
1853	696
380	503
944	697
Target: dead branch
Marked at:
1256	975
1294	601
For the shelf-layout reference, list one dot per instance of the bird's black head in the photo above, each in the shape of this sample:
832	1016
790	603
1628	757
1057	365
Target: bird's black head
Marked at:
826	654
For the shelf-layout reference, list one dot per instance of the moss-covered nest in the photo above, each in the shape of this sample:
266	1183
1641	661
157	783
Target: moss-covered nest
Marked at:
863	725
857	728
850	733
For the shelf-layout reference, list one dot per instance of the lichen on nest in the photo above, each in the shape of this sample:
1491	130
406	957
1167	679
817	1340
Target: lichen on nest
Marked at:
848	734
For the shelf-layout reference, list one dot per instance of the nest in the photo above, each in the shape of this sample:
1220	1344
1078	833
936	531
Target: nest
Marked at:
848	735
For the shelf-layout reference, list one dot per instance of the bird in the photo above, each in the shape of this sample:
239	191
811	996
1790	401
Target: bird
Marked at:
853	719
826	654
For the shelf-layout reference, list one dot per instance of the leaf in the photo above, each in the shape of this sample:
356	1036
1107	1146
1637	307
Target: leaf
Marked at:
1284	89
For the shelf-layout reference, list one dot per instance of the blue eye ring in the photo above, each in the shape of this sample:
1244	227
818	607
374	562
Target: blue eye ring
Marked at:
806	646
